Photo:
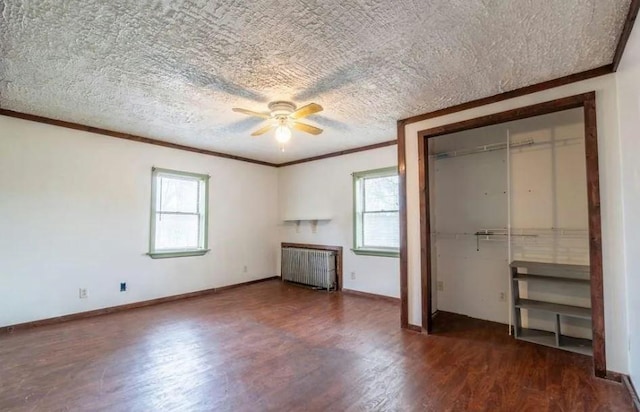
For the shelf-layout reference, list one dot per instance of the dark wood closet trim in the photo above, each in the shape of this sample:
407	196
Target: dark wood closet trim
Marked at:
588	102
340	153
538	87
550	84
126	136
626	32
425	238
404	268
128	306
519	113
595	235
337	249
402	215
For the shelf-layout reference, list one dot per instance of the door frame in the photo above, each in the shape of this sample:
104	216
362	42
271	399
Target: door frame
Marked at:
586	101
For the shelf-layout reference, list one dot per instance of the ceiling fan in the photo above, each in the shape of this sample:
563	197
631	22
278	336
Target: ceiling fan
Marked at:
283	116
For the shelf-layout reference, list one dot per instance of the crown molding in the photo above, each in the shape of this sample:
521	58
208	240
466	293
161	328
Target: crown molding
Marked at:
127	136
534	88
626	32
340	153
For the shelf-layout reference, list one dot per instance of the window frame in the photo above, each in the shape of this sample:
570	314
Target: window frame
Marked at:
358	214
203	213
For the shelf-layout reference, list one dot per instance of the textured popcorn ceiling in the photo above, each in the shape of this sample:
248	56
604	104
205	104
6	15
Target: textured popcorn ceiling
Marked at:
172	70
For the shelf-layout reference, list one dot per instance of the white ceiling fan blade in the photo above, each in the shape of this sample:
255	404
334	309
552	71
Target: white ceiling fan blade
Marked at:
252	113
263	130
303	127
305	111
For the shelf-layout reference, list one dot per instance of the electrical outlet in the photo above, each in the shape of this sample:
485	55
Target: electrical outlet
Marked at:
503	296
82	293
353	275
123	286
440	286
244	268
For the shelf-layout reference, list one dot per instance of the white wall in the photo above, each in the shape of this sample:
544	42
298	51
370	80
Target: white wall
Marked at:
611	203
74	212
324	188
628	82
470	195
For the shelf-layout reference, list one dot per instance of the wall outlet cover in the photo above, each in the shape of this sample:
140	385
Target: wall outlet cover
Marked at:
82	293
123	286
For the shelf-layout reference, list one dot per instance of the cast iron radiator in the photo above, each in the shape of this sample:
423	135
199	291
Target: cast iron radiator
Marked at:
309	267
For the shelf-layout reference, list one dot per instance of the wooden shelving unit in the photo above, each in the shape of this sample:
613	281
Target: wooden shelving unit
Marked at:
552	273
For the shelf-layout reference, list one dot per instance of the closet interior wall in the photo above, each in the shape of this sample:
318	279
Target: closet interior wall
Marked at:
474	181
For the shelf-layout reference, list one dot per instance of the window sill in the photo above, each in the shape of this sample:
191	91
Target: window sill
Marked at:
175	254
377	252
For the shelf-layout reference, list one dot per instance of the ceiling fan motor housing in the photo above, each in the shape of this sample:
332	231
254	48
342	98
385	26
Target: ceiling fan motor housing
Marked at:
281	109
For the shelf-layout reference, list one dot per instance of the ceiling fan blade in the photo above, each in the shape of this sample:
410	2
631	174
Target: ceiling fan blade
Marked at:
263	130
305	111
251	113
307	128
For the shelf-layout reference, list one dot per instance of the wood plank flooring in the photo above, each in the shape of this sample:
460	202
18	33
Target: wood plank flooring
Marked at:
277	347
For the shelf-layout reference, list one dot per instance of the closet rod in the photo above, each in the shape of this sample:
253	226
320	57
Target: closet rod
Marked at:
502	146
481	149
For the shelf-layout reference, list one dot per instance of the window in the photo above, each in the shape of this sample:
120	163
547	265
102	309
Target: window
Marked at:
376	224
178	214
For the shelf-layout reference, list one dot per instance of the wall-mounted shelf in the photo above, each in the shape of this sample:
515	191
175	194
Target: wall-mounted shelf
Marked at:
314	222
550	273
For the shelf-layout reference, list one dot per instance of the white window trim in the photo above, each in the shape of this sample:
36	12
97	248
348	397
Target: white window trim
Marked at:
358	196
203	206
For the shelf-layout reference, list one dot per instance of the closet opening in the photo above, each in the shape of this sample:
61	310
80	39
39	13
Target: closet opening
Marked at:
510	225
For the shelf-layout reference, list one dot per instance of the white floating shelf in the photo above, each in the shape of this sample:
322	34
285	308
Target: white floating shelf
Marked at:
296	219
314	222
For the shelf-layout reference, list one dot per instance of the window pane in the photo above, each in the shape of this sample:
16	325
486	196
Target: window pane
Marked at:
178	195
176	231
381	230
381	193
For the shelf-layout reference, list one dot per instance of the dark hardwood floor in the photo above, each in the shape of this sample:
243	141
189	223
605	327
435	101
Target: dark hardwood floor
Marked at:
271	346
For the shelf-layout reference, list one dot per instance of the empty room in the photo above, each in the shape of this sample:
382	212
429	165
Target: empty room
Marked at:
319	205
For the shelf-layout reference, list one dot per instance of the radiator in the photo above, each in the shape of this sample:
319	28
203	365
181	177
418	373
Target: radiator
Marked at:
309	267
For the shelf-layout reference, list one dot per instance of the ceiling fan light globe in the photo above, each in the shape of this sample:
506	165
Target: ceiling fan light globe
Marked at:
283	134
